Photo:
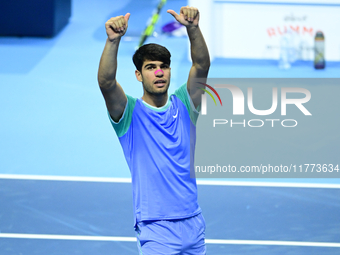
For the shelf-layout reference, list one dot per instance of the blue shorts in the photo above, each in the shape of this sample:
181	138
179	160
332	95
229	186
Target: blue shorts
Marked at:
184	236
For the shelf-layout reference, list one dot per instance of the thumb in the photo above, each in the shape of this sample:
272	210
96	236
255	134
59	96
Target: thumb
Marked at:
173	13
126	17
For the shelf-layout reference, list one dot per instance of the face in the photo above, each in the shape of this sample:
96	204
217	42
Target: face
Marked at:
154	82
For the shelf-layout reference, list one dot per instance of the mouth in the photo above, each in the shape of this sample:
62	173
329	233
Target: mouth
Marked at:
160	83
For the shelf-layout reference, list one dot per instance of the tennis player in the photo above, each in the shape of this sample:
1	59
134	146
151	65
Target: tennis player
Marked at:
157	133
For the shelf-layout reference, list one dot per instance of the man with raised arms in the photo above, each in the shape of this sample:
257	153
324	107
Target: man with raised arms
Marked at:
158	134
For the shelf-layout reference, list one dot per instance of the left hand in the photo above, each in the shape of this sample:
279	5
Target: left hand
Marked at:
188	16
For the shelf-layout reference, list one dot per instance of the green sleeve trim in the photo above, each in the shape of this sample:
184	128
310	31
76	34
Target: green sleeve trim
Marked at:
122	126
183	94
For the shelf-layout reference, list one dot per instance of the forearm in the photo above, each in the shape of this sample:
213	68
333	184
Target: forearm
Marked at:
108	64
199	50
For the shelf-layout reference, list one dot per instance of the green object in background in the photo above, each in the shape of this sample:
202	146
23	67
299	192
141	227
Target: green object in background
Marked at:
151	23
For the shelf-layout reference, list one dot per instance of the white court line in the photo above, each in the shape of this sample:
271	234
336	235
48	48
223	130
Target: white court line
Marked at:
199	182
133	239
69	237
270	184
278	243
64	178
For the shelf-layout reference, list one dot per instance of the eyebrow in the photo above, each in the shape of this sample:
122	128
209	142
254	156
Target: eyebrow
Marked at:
149	65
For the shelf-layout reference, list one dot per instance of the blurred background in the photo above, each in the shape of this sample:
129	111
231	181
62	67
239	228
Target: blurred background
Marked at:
54	119
54	124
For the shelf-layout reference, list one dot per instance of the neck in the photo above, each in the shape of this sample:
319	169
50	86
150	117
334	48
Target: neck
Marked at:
155	100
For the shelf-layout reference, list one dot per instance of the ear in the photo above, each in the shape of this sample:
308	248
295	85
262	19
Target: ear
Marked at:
139	75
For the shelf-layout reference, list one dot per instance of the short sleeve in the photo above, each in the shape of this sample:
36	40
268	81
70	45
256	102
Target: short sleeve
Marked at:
183	95
122	126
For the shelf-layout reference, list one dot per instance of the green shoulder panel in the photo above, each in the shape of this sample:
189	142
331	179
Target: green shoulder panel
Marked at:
183	95
122	126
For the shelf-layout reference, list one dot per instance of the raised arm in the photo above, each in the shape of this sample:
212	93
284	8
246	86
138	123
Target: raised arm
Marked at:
112	91
189	17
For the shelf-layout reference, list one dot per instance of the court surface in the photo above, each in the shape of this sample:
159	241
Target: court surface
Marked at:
78	216
64	182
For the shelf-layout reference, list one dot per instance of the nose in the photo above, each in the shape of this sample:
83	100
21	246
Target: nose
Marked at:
159	72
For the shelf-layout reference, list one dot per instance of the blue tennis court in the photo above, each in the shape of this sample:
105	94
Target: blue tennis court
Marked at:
64	182
95	216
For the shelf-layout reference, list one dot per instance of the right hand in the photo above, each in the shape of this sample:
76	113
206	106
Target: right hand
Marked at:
116	27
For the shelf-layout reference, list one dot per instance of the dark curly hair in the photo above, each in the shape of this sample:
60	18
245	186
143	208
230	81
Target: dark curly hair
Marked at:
153	52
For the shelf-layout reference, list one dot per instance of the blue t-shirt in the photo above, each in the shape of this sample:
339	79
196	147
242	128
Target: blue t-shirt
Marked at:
159	147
